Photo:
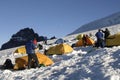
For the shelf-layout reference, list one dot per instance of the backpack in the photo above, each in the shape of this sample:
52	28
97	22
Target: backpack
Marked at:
8	64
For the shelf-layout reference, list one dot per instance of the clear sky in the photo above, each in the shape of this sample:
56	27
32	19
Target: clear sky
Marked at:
51	17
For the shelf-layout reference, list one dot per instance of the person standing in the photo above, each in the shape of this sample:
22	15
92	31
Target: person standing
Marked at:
106	32
84	39
100	39
45	40
30	49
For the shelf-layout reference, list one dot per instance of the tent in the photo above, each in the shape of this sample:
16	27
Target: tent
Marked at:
22	60
20	50
113	40
80	36
89	42
59	41
60	49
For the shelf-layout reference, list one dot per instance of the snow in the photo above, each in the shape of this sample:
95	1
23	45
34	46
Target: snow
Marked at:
84	63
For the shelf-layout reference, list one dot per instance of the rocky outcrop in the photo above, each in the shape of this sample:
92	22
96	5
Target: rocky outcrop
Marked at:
20	38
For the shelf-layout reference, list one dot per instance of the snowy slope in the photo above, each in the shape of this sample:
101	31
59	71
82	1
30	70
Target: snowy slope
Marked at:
104	22
84	63
113	30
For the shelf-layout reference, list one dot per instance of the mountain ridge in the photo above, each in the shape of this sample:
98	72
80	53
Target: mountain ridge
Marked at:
107	21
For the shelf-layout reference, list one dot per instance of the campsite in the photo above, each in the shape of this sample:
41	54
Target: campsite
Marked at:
64	62
60	40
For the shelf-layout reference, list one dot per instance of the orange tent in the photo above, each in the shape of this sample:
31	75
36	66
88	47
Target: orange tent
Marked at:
89	42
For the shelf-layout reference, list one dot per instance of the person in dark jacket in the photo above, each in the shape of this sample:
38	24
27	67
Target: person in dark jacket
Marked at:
106	32
45	40
30	49
84	39
100	39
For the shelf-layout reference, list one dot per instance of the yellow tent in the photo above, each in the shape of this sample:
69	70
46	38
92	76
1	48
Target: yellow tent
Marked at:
20	50
60	49
113	40
89	42
21	62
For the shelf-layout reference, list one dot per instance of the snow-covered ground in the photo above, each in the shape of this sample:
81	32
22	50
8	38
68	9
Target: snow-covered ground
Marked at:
84	63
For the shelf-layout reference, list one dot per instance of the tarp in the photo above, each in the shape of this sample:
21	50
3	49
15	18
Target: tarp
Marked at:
113	40
21	62
89	42
60	49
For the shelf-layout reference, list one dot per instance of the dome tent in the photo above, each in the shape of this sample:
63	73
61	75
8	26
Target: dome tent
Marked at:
59	41
21	50
22	61
60	49
89	42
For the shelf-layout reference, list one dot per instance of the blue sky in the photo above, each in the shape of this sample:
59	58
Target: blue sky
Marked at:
51	17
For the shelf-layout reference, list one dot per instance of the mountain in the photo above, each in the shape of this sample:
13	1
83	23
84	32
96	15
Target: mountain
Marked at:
100	23
21	37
